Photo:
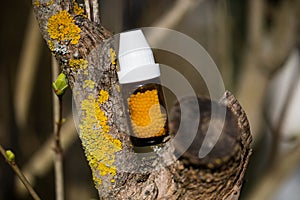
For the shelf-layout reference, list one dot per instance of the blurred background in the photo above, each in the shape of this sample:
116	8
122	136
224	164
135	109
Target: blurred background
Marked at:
254	43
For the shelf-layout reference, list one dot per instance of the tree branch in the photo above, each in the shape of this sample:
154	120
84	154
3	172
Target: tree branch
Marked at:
96	13
173	16
18	172
87	8
83	52
27	69
58	151
42	160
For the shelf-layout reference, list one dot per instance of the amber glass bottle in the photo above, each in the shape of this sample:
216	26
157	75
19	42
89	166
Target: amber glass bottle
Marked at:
141	90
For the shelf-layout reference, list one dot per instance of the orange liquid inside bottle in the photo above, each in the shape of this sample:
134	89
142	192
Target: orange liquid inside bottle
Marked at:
146	113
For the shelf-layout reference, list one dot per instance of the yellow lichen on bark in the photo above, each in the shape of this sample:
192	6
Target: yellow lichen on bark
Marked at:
103	96
50	45
79	64
38	3
62	27
100	146
89	84
113	56
78	10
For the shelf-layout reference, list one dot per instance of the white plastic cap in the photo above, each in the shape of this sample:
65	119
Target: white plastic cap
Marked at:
136	58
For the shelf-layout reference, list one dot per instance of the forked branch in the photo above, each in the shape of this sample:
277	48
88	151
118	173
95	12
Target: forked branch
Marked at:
83	50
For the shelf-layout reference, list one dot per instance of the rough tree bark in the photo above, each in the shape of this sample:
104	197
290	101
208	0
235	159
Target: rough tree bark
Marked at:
82	48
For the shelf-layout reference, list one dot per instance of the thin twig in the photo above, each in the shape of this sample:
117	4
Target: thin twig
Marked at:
87	9
42	160
95	9
58	166
27	69
176	13
21	176
58	160
173	17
